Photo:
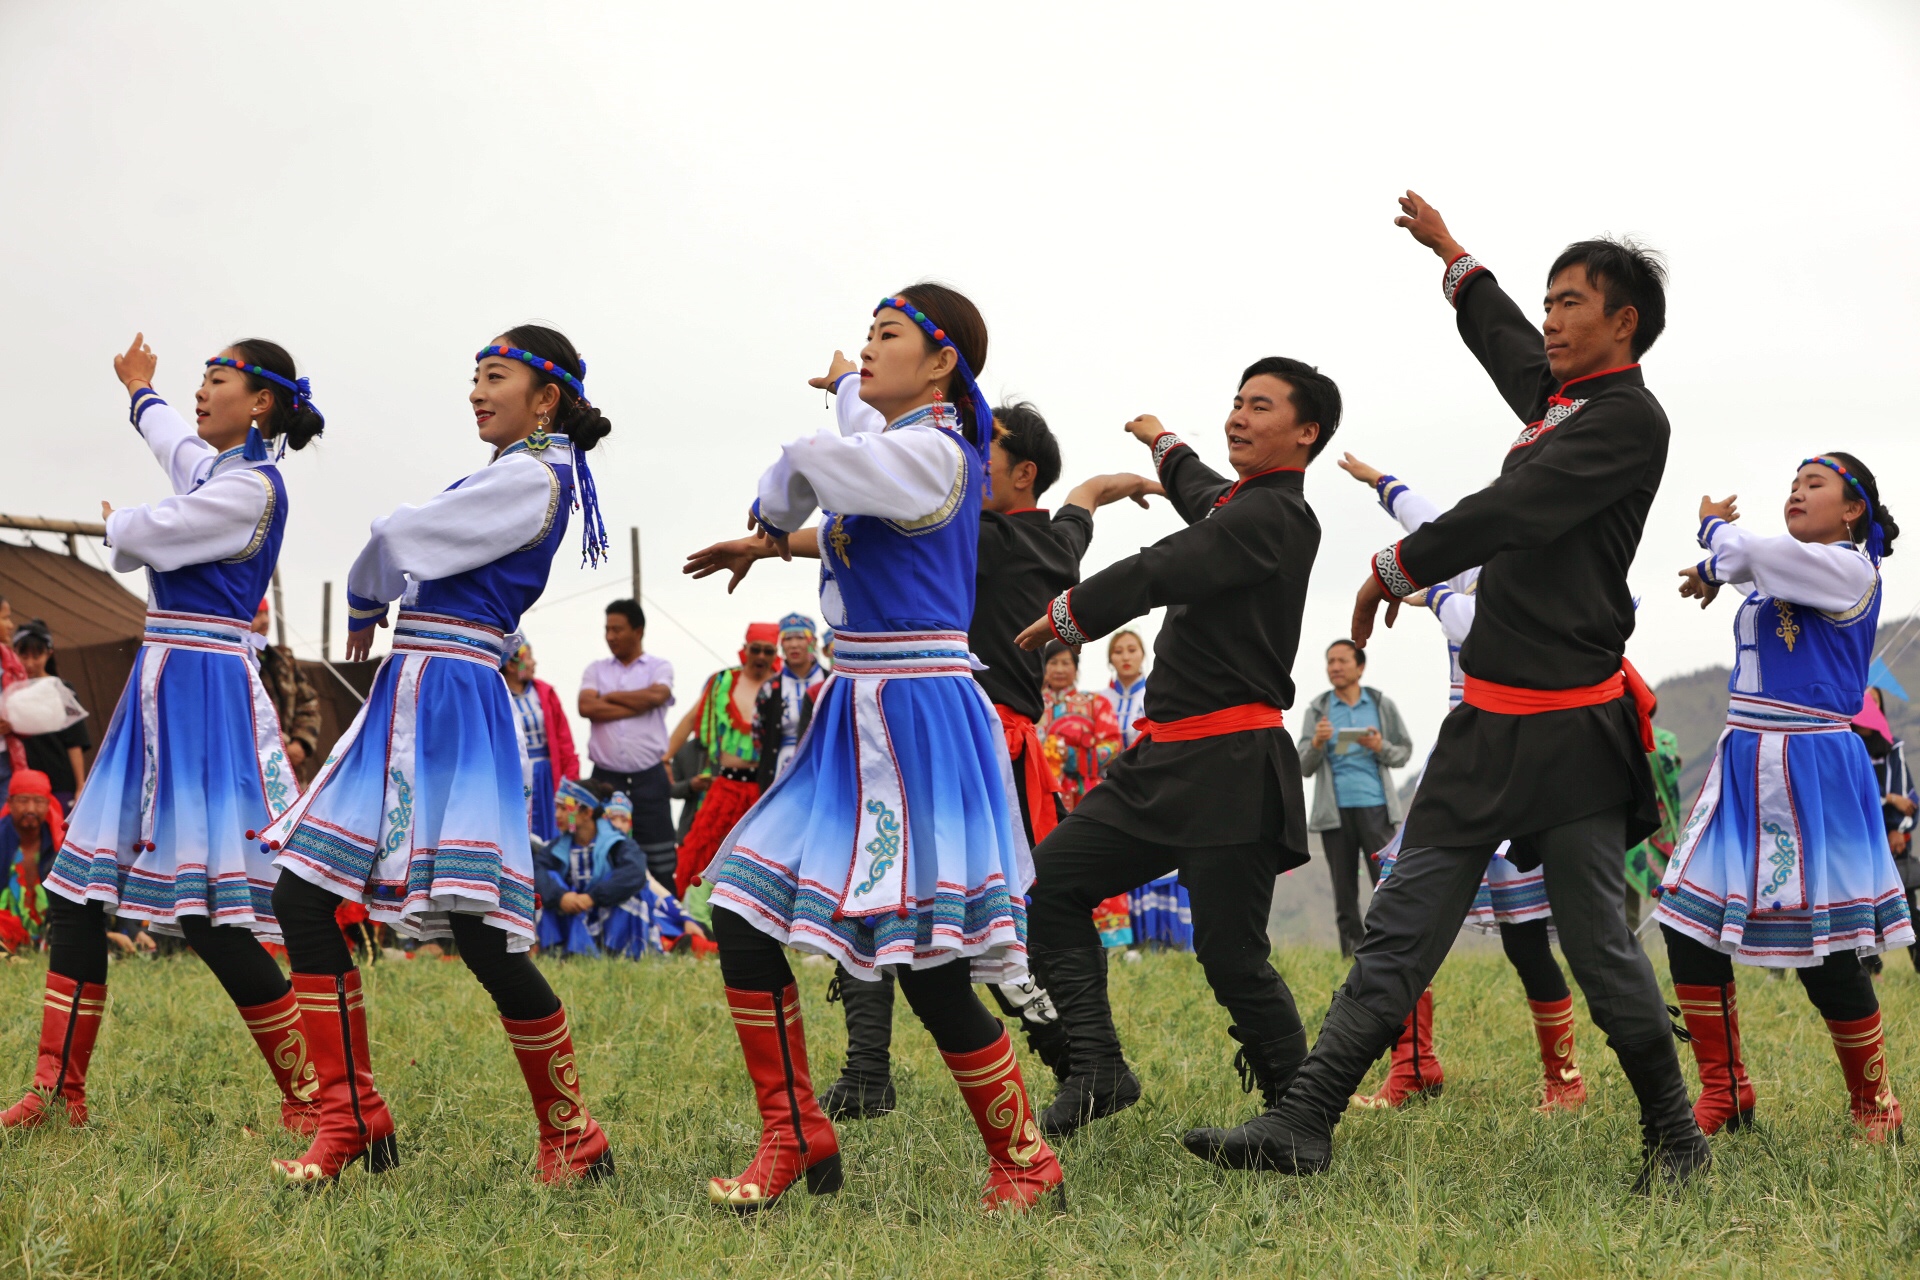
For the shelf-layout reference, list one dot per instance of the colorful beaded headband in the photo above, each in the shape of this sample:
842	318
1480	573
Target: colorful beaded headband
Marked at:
541	363
301	388
963	373
1876	537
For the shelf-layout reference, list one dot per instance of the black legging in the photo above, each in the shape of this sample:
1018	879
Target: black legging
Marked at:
316	945
1838	986
1531	954
77	949
941	997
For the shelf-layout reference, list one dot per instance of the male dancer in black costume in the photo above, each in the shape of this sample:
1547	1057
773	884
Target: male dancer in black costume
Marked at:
1026	557
1212	786
1549	745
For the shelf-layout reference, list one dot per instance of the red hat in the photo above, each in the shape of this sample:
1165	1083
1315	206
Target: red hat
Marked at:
264	606
763	633
29	782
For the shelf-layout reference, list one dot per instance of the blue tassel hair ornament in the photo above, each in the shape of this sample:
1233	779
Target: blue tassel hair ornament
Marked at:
255	450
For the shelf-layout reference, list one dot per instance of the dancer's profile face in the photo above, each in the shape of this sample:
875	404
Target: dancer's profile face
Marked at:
1821	506
1264	431
1581	337
506	402
897	371
225	406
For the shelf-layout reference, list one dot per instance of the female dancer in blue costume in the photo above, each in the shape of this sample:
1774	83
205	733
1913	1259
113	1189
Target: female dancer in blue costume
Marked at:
890	841
420	810
191	767
1784	860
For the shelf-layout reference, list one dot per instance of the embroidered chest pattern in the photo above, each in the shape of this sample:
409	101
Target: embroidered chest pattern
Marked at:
1556	414
1789	629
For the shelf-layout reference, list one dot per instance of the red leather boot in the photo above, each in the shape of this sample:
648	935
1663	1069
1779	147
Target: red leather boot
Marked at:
1863	1057
354	1120
1553	1024
1022	1167
1713	1020
796	1138
572	1144
1415	1072
69	1024
275	1028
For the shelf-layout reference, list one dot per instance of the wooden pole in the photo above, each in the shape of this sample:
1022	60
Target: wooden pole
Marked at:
326	622
634	535
279	610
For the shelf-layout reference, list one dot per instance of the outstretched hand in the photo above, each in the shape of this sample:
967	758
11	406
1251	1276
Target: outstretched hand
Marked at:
1695	587
1359	470
135	367
1146	429
1366	604
735	557
1097	491
1725	509
360	643
1035	636
838	369
1425	224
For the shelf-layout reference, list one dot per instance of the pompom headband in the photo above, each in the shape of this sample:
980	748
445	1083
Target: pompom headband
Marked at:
541	363
255	449
594	545
1876	536
963	372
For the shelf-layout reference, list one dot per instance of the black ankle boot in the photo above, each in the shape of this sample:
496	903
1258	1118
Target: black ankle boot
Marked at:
1039	1022
1098	1082
1672	1148
1269	1065
865	1087
1295	1134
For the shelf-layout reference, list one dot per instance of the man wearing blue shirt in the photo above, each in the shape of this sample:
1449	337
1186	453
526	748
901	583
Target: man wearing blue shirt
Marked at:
1357	740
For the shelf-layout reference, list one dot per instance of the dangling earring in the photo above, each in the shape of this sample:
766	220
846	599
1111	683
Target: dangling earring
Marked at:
539	440
939	408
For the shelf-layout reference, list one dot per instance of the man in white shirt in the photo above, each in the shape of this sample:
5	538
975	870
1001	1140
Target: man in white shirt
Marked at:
625	698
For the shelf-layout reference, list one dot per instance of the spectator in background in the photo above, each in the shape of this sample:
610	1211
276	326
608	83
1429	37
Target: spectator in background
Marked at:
544	737
595	893
1078	732
785	705
293	697
1127	692
1647	861
30	835
1356	741
826	649
1898	802
60	755
14	756
625	697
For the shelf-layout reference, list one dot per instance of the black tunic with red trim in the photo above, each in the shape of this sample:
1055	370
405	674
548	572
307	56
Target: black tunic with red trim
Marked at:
1026	558
1234	582
1555	535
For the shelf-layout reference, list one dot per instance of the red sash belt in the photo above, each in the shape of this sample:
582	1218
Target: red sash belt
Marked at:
1247	716
1510	700
1023	748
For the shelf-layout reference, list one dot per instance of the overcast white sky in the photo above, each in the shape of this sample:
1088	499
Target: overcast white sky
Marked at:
1142	199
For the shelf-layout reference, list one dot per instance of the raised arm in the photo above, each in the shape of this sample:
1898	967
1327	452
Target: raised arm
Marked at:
1507	345
1834	577
182	454
898	475
220	520
1189	484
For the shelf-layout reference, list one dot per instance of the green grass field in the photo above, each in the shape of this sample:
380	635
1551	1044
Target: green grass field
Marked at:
168	1180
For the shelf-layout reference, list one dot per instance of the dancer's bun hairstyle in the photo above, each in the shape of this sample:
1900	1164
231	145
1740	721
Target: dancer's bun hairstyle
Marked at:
298	424
577	419
1889	527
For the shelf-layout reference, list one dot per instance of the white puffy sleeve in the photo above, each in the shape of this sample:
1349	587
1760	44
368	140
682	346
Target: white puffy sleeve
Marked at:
899	475
493	512
182	454
1833	577
220	520
1399	501
855	415
1454	608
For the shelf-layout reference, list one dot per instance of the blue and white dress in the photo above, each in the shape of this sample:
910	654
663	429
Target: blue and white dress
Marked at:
192	767
892	837
420	809
537	762
1784	859
1507	894
633	913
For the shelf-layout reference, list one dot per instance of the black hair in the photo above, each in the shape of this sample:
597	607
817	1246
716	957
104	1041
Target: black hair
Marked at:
602	789
1055	648
1889	527
578	420
35	636
953	313
1630	275
298	425
1359	654
1029	439
630	610
1312	393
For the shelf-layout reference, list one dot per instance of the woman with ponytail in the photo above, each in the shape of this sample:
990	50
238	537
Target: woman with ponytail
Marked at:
891	842
191	768
1784	861
419	813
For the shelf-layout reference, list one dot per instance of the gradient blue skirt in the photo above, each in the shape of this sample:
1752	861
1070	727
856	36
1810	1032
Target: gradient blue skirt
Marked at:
1784	859
891	839
420	811
191	771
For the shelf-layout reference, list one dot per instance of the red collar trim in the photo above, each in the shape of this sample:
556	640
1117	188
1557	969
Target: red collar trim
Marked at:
1588	377
1227	497
1021	511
